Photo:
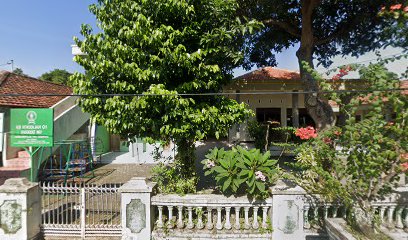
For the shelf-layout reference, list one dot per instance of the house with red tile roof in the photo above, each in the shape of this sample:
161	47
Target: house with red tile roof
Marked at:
269	107
287	109
11	83
68	117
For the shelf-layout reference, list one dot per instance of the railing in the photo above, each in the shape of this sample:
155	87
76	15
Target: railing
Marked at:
77	210
392	212
212	212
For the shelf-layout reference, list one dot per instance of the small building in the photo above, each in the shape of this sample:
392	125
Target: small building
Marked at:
69	120
267	105
265	86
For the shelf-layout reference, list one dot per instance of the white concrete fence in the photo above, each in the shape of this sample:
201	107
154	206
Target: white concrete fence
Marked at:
289	213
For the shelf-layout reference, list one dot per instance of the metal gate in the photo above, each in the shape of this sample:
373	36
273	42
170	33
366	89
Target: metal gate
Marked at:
80	210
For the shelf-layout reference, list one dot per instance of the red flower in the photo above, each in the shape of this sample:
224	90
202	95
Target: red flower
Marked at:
404	156
396	6
404	166
327	140
405	9
306	133
337	133
336	77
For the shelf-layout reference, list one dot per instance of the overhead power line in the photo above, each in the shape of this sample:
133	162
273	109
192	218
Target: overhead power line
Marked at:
201	94
401	54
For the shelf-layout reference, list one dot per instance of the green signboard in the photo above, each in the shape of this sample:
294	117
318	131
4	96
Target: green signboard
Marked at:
32	127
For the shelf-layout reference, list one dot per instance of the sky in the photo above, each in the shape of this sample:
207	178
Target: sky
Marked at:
37	35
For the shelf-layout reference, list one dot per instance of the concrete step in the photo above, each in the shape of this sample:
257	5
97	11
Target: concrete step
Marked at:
23	154
17	162
10	172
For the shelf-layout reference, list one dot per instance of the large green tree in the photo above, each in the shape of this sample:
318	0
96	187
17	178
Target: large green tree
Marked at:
162	49
322	29
60	76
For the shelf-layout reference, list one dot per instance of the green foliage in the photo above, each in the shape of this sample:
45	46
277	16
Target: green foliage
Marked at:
337	27
240	170
162	49
59	76
397	32
360	161
169	180
277	136
226	172
19	71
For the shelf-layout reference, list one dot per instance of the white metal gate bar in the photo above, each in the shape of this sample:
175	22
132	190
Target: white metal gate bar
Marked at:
78	210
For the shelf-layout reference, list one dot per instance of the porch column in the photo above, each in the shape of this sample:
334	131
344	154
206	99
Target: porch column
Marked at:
295	109
284	117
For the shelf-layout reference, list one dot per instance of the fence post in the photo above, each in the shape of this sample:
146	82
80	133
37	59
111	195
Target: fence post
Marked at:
136	209
287	211
83	212
20	210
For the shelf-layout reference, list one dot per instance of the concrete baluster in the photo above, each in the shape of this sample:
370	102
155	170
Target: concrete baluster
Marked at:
160	220
390	214
246	213
219	222
237	223
180	223
306	223
255	224
264	217
209	219
325	211
170	221
316	217
382	214
227	224
190	223
200	224
335	209
398	220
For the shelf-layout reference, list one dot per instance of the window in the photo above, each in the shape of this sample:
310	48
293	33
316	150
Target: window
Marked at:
304	118
268	114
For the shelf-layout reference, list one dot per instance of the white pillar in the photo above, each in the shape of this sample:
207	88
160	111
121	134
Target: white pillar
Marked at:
288	208
136	209
20	205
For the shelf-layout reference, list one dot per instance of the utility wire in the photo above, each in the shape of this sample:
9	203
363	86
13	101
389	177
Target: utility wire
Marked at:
200	94
369	60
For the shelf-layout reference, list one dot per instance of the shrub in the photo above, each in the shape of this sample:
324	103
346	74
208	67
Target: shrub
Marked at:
277	136
360	161
169	180
239	171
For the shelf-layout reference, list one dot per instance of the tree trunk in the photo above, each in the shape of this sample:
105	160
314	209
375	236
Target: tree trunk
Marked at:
185	159
317	106
364	220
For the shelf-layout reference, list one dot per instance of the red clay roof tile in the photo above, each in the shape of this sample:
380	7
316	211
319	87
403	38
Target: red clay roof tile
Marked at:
11	83
270	73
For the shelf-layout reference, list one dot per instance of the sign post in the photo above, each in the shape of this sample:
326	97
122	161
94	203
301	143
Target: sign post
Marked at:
32	127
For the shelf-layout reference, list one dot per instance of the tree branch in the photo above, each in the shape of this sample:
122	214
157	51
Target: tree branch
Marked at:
343	28
387	178
289	28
